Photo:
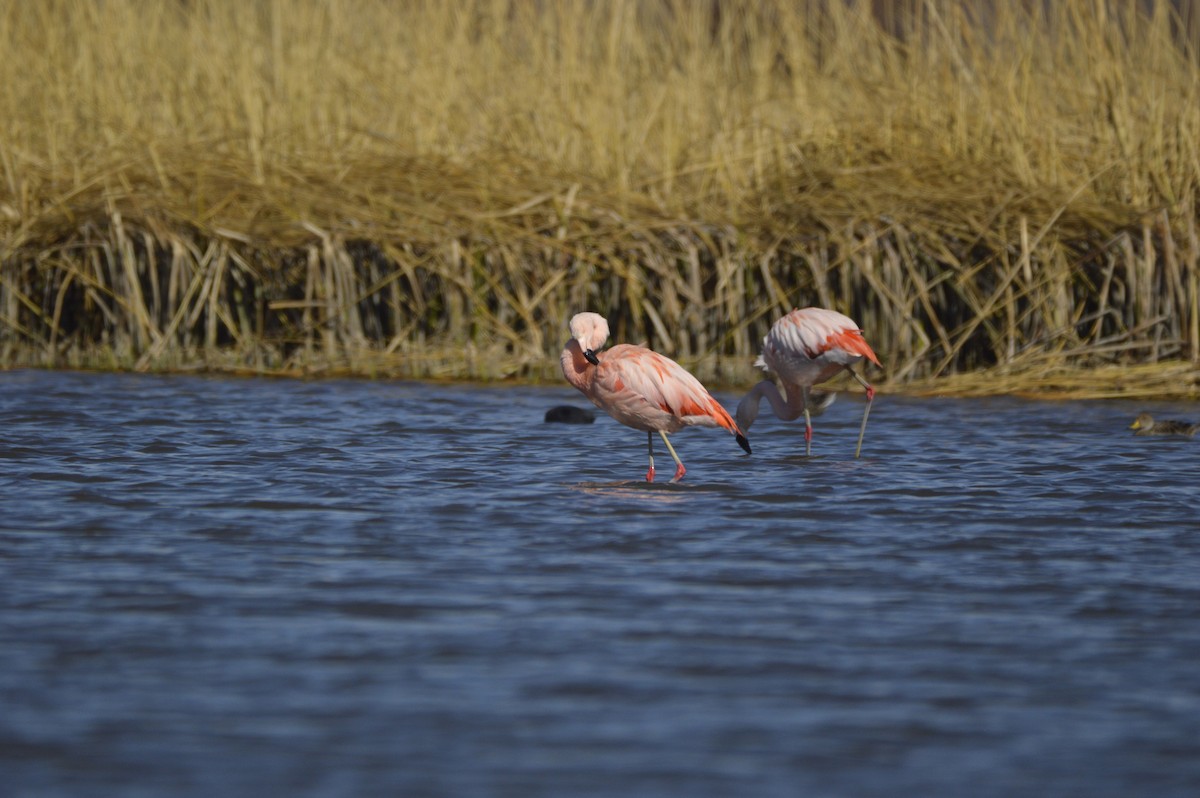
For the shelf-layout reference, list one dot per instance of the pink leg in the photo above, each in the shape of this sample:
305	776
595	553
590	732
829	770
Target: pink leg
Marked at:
807	424
650	451
862	431
679	469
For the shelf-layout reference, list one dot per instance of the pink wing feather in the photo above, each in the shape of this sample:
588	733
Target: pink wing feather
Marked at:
818	331
641	382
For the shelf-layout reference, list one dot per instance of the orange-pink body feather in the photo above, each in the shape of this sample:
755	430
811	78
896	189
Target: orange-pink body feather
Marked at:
637	386
805	348
810	345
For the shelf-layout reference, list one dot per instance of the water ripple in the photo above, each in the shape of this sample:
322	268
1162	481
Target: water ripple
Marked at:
233	587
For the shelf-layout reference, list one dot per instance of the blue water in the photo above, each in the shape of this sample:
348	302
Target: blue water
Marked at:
252	587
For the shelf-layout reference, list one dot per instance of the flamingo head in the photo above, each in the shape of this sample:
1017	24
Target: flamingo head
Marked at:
590	330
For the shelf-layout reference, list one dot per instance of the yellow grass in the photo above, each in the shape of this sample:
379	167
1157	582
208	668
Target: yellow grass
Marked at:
431	189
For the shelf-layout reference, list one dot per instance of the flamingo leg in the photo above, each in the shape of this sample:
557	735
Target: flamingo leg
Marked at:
650	451
807	425
866	410
680	470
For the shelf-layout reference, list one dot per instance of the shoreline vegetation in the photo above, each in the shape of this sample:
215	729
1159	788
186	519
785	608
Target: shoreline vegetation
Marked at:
1005	200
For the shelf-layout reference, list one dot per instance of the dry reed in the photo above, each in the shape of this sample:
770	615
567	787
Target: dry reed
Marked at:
1004	201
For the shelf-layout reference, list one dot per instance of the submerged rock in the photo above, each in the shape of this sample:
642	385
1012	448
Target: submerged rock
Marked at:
569	414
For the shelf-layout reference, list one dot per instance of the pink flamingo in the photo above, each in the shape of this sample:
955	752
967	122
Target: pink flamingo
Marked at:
807	347
640	388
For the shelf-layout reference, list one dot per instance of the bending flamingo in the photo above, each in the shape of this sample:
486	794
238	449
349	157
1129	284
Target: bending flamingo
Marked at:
807	347
640	388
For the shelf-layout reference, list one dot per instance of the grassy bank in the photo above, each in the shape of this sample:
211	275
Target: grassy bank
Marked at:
431	189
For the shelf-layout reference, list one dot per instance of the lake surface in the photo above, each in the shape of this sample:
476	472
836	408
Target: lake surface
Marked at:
257	587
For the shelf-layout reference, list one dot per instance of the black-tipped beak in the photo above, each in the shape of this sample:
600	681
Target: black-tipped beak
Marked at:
745	444
591	357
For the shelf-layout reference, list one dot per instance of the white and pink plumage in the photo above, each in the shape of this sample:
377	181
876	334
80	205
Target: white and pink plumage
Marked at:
806	347
640	388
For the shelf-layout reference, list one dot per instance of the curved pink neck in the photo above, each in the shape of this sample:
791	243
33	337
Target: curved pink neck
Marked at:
575	366
788	409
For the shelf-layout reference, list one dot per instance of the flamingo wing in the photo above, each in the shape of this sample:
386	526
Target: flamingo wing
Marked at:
819	333
644	381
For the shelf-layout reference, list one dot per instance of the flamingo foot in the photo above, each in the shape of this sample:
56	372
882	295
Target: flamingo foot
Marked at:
650	474
679	472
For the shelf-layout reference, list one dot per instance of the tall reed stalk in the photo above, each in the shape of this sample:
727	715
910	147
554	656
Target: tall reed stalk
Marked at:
431	189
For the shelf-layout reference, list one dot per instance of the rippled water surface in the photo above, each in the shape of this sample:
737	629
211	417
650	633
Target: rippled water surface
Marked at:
253	587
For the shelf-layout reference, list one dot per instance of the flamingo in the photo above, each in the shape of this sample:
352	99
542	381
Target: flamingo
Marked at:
807	347
640	388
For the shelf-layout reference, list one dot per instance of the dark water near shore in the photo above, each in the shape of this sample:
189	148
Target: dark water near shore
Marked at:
252	587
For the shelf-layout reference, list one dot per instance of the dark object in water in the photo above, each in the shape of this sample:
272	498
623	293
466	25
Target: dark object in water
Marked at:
1146	425
568	414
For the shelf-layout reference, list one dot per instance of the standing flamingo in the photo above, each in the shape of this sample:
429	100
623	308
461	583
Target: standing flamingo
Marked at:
640	388
806	347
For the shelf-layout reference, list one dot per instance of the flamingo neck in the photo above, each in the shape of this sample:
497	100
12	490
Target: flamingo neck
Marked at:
575	366
787	409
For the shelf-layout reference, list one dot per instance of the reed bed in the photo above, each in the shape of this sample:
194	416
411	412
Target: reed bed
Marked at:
1004	200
